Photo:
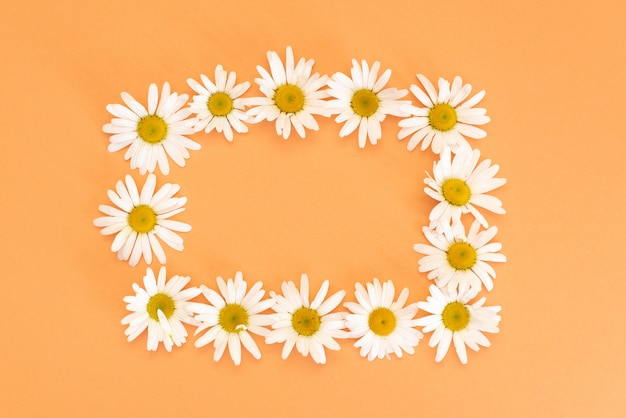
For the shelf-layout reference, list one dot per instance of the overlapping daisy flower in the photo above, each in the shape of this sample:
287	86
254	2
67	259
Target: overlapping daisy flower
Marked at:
219	105
446	118
292	95
362	103
460	186
310	327
454	260
454	319
138	219
162	307
154	133
381	325
232	316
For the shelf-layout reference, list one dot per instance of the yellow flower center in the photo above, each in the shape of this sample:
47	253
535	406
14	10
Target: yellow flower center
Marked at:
220	104
461	256
233	318
305	321
152	129
364	103
289	98
442	117
163	302
455	316
456	192
142	219
382	321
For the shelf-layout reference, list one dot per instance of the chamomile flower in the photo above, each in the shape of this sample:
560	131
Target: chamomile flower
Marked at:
454	259
153	134
232	316
453	319
218	105
162	307
139	219
382	325
362	103
308	326
460	186
292	95
446	119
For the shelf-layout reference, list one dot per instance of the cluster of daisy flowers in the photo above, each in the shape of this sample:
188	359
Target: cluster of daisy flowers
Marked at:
292	97
230	317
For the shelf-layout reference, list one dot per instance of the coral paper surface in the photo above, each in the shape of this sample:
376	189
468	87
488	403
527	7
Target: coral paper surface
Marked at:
274	208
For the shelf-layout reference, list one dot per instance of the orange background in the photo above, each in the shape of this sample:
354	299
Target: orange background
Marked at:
554	76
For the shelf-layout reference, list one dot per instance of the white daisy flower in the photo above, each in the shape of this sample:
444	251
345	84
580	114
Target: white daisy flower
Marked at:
460	186
141	218
454	319
446	119
361	101
292	95
232	316
152	134
308	326
218	104
454	259
162	307
382	325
